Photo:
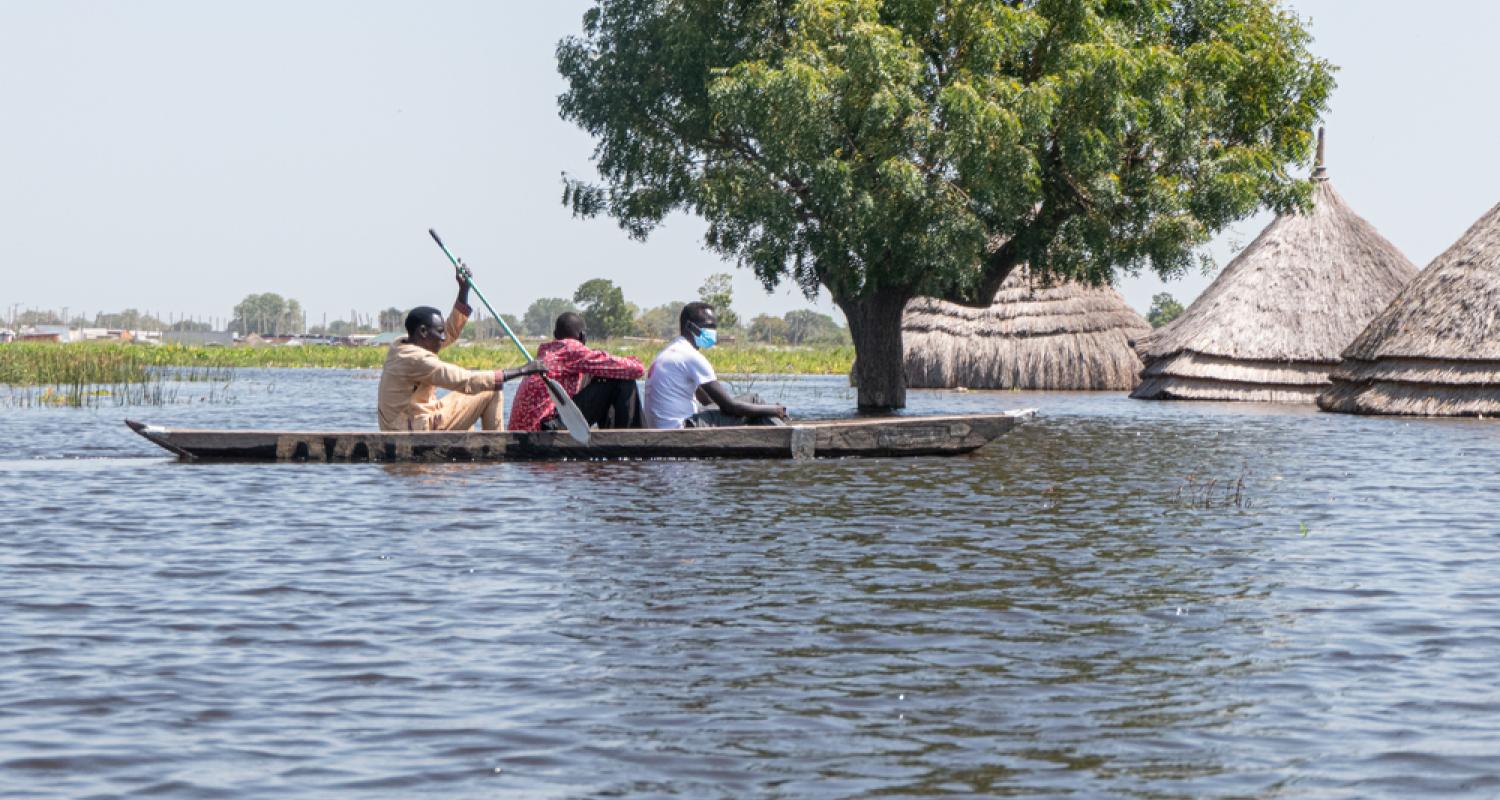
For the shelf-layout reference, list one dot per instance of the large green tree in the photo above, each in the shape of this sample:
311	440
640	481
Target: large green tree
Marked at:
660	322
130	320
718	291
542	314
35	317
393	319
268	314
768	329
805	326
895	148
604	309
1164	309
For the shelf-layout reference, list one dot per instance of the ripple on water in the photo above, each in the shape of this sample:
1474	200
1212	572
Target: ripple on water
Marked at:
1122	599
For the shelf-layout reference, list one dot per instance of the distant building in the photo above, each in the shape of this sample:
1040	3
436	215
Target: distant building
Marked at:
7	336
102	335
115	335
198	338
48	333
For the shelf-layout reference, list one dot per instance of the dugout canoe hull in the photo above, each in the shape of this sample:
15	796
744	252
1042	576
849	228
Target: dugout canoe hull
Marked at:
889	436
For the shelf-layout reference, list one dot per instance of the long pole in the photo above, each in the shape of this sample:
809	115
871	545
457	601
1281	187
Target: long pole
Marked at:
457	264
572	418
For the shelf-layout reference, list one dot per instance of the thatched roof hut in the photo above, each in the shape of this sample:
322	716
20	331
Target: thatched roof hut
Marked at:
1435	351
1272	326
1036	335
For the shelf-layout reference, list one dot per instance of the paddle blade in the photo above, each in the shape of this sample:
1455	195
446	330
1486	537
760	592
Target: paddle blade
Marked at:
568	412
436	239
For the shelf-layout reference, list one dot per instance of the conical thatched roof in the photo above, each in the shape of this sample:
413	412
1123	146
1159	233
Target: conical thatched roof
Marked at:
1063	335
1274	323
1435	351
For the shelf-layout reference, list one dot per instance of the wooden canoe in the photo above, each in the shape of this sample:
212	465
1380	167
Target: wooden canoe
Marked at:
887	436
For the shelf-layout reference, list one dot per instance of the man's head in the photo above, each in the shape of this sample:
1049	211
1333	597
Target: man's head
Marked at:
425	328
695	317
570	325
699	325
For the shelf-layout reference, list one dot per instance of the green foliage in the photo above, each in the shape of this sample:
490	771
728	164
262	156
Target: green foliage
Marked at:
37	364
768	329
128	320
863	145
542	314
191	326
805	326
888	149
718	291
604	308
659	322
34	317
1164	309
91	374
800	327
487	327
267	314
87	363
392	319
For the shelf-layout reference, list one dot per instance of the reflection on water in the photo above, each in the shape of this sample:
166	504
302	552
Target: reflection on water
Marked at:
1065	613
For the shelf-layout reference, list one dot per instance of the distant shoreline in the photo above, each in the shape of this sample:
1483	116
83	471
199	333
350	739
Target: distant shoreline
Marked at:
40	364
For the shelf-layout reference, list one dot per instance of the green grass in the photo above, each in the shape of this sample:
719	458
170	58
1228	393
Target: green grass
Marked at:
93	373
90	375
87	362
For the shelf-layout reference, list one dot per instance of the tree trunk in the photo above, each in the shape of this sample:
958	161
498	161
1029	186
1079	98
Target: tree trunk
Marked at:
879	360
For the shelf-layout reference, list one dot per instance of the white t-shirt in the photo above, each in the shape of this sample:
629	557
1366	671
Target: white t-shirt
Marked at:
672	383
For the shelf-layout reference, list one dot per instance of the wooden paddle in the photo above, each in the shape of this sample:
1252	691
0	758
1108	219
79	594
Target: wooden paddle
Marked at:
567	410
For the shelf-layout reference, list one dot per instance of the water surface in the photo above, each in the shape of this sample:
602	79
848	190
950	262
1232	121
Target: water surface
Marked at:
1119	599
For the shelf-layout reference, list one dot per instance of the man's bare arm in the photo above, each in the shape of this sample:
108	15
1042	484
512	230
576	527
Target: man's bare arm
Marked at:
719	395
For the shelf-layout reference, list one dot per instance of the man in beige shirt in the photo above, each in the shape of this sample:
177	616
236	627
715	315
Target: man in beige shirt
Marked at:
413	373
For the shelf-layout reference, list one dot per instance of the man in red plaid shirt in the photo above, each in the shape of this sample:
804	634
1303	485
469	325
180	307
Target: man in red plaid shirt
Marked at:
601	385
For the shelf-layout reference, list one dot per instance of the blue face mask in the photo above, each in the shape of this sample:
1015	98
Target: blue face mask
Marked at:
706	338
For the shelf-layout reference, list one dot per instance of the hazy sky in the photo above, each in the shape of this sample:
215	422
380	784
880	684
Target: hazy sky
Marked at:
174	156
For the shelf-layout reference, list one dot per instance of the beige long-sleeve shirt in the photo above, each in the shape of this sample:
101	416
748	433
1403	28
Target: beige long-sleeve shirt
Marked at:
411	377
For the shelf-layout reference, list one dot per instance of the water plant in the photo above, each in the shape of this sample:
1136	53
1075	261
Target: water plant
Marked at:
91	363
1196	492
91	374
88	375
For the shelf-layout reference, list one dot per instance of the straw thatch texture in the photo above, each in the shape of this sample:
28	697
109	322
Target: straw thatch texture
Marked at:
1435	351
1272	325
1036	335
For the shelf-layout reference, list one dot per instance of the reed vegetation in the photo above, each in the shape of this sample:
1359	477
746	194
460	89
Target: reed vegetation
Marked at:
91	374
41	364
94	374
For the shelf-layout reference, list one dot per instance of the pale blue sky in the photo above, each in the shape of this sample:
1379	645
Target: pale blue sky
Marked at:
176	155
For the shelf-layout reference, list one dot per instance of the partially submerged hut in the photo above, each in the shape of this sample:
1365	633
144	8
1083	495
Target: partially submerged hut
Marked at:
1036	335
1435	351
1272	326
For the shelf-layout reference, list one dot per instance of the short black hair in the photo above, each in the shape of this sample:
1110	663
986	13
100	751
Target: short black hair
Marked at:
692	314
419	316
569	325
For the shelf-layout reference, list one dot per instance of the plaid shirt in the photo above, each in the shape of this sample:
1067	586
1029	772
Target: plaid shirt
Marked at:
568	362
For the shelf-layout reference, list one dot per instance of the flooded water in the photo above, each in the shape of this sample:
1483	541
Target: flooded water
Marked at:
1119	599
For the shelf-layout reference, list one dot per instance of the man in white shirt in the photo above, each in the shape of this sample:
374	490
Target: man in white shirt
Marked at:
682	382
